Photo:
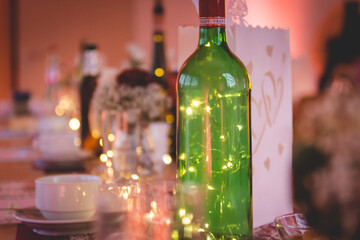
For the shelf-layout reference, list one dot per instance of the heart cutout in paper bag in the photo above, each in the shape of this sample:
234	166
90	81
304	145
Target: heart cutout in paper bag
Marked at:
267	164
280	148
272	93
269	50
258	124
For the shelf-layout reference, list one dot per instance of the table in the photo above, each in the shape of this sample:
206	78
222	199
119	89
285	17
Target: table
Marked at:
17	190
22	194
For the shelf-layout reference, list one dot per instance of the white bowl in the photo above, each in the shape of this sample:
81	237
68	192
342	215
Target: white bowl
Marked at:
67	196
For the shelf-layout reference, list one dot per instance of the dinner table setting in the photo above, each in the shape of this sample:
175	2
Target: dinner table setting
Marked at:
52	188
126	184
20	217
216	150
58	190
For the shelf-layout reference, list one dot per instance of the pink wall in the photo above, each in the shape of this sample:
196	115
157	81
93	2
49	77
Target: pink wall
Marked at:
114	23
64	23
110	23
5	71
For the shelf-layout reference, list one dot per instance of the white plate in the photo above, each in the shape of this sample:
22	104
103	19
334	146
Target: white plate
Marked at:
74	156
35	220
58	166
62	162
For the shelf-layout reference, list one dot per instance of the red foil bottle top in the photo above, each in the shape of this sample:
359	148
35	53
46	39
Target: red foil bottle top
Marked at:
212	8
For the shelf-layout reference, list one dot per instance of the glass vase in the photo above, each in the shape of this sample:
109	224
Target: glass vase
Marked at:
127	144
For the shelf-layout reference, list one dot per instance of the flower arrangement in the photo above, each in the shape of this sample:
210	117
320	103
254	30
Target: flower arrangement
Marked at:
331	122
326	162
133	89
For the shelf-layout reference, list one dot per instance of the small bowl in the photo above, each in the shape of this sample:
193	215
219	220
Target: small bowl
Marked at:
294	226
67	196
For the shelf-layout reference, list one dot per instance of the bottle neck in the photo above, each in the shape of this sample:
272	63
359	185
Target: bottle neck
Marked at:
158	16
212	22
212	36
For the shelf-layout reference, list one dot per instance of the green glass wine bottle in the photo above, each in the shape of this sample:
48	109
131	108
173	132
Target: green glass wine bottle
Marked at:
213	128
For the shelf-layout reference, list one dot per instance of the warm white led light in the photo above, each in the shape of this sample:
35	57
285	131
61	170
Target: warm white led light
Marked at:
74	124
167	159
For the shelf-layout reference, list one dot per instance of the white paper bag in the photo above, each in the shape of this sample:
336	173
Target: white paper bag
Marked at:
265	53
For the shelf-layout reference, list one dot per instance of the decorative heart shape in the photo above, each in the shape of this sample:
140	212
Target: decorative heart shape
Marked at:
269	50
258	125
272	93
267	164
280	148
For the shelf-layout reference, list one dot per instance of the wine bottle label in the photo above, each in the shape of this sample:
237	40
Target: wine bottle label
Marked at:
91	65
212	22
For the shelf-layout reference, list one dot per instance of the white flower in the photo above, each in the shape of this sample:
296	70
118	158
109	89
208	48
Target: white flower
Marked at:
152	101
135	53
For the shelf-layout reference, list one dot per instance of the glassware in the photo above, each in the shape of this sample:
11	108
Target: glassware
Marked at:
133	209
52	75
294	226
127	144
108	130
121	210
162	208
214	145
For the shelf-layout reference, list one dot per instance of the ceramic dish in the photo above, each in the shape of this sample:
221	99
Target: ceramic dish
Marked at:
64	162
35	220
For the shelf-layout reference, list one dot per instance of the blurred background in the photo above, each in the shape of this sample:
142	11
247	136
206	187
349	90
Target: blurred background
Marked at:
43	44
30	30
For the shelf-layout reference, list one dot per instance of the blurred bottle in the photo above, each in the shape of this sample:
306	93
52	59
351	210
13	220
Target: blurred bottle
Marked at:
52	74
160	71
159	61
77	72
90	74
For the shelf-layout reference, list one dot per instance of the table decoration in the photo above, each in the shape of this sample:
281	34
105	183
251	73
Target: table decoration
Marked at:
265	53
58	144
125	208
128	105
294	226
22	195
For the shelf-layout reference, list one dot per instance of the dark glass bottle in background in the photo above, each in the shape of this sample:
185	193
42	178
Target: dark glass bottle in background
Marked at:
90	73
159	70
214	141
